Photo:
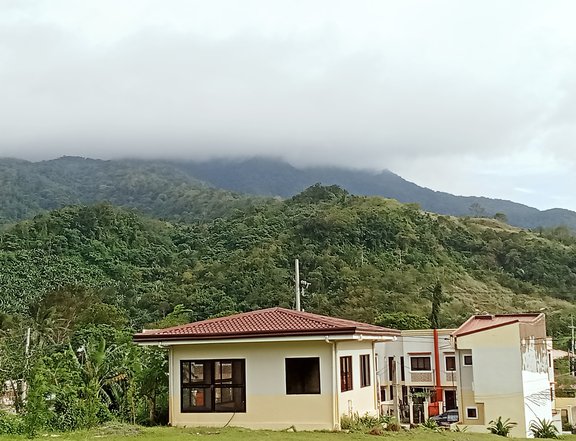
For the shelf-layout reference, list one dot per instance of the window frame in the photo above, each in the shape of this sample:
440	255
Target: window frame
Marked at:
290	359
365	374
346	377
213	384
446	357
467	356
423	357
475	409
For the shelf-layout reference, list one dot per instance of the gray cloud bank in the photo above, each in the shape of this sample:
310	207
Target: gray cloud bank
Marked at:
397	84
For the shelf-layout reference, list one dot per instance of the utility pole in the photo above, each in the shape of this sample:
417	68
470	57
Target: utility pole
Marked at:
297	285
396	399
571	357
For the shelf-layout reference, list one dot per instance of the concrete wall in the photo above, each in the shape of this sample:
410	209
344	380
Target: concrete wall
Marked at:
509	376
535	372
359	400
267	404
495	376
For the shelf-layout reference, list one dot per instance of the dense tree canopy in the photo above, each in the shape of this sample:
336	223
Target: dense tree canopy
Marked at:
76	282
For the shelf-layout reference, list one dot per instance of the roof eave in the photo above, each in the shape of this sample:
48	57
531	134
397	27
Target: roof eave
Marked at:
144	337
487	328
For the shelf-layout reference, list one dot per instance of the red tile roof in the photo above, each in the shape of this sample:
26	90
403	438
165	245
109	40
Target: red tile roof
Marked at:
484	322
272	322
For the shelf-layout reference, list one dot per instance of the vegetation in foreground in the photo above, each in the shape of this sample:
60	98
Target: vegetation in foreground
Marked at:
127	433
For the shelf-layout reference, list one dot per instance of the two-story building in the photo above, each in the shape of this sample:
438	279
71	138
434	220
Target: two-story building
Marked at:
417	375
505	370
491	366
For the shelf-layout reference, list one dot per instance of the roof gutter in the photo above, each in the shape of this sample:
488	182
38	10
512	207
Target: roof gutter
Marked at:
336	400
160	341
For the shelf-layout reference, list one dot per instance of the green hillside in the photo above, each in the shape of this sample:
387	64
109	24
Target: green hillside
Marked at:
364	257
189	191
154	188
77	282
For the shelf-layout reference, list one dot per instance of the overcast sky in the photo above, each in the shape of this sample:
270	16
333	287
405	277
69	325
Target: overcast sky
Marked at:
469	97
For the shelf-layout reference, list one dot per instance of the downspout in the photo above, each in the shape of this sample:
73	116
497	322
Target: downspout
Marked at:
437	365
171	388
335	385
375	381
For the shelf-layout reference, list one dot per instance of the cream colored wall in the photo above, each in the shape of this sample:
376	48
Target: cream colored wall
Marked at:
495	378
359	400
267	405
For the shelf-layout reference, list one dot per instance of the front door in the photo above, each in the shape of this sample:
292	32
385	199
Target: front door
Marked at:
450	399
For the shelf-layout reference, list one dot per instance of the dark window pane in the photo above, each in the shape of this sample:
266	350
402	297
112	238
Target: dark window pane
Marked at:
450	363
199	373
346	373
213	386
364	370
302	375
420	363
229	399
185	373
223	371
196	399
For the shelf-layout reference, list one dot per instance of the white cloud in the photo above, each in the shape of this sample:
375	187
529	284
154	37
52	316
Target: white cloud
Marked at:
446	92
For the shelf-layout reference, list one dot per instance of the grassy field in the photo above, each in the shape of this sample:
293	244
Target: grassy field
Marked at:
126	433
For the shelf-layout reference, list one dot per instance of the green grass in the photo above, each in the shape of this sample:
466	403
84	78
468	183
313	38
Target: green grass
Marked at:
128	433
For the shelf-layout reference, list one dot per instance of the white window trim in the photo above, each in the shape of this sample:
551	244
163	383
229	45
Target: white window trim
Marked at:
420	356
446	364
469	417
464	360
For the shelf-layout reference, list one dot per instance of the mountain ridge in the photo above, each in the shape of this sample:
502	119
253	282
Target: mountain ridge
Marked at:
248	175
197	190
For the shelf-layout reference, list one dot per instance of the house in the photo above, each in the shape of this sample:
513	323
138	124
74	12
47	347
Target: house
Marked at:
417	375
272	368
504	371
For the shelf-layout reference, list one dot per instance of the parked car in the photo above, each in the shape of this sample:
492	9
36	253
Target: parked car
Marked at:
446	418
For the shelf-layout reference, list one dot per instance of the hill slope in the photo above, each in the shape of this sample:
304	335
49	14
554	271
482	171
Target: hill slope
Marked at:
364	258
155	188
276	178
188	191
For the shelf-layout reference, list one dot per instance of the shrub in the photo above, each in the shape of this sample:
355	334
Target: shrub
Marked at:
501	428
430	424
542	428
363	423
11	424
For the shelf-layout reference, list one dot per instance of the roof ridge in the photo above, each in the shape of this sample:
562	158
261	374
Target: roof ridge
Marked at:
217	319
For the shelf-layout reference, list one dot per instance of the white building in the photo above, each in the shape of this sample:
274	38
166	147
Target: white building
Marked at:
505	371
417	375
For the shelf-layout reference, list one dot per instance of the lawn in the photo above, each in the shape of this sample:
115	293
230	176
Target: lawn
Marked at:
127	433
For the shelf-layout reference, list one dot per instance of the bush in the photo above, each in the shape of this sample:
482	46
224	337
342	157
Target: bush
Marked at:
364	423
501	428
542	428
430	424
11	424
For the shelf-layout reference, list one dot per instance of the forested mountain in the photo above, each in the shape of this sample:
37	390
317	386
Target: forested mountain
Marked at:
365	258
77	282
155	188
276	178
189	191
